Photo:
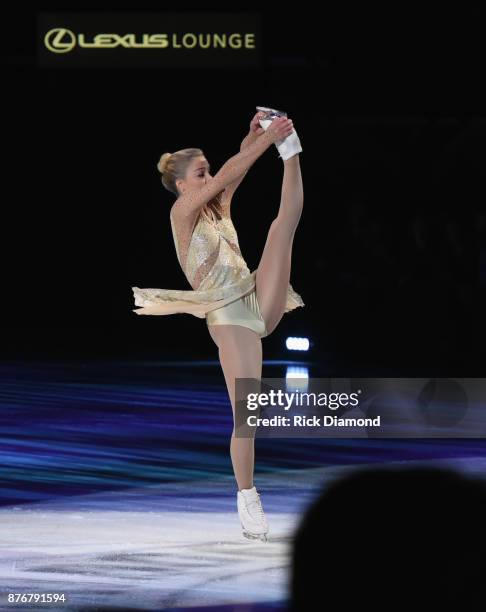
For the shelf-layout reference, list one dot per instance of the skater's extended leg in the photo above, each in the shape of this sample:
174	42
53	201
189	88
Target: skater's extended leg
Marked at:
240	355
273	274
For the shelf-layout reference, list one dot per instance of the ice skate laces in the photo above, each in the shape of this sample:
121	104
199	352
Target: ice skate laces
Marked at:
256	506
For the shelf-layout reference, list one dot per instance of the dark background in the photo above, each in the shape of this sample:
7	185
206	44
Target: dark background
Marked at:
390	256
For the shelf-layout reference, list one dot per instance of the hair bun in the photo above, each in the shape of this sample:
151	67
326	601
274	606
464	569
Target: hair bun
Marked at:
161	166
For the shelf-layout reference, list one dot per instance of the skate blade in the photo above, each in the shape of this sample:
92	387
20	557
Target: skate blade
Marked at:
272	111
253	536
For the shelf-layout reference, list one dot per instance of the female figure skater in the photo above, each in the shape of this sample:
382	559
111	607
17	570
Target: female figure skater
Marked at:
240	307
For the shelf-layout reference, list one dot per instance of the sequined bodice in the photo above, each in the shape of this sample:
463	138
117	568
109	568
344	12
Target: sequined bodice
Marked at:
213	257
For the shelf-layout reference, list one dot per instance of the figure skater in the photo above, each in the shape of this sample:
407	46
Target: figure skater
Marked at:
240	307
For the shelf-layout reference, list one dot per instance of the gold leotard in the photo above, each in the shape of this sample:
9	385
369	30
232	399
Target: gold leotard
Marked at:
226	289
243	311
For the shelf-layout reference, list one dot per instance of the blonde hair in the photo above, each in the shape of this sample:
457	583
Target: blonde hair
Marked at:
173	166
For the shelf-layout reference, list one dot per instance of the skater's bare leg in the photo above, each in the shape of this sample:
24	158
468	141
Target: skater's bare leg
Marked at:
273	274
240	355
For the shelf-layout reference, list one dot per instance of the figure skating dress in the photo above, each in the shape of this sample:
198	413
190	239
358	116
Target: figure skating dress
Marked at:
224	289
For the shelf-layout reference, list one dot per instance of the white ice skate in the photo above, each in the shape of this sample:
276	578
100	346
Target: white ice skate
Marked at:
288	147
252	517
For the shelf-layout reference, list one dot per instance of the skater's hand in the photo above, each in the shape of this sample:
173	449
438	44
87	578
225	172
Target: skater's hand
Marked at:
255	127
280	128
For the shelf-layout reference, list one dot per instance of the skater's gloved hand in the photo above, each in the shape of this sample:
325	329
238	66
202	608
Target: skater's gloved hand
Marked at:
280	128
255	127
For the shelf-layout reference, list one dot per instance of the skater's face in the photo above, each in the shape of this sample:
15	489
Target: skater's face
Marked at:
197	175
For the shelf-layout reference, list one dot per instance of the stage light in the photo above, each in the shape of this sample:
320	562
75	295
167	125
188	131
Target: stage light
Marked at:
296	378
297	372
297	344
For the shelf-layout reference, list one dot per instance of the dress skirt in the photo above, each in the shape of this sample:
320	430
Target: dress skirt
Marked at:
154	301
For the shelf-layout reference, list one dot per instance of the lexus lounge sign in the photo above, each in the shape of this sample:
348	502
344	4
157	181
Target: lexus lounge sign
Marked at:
149	40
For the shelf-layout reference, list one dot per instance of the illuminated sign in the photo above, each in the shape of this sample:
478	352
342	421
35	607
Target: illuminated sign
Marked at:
144	40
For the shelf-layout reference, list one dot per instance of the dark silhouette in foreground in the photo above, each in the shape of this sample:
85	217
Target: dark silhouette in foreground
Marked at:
392	539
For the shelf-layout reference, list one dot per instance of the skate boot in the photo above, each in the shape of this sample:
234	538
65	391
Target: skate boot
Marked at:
252	517
288	147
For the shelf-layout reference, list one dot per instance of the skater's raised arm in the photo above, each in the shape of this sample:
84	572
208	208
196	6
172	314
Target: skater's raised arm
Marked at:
191	201
254	132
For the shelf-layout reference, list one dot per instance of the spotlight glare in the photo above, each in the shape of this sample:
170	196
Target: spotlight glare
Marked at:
297	378
297	372
297	344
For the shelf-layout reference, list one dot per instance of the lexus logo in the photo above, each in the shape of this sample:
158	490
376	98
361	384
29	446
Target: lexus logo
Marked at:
53	40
